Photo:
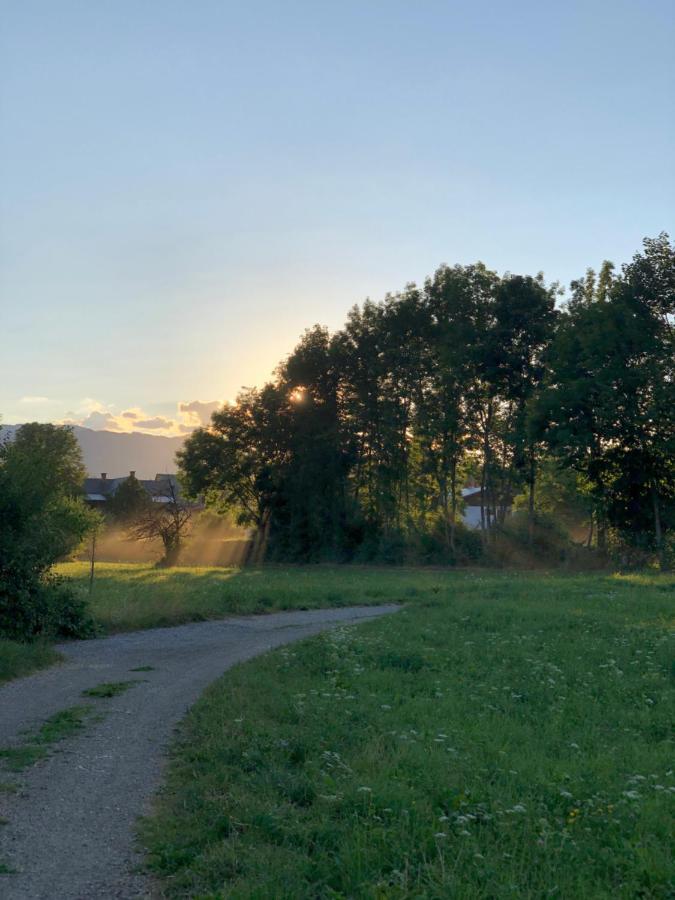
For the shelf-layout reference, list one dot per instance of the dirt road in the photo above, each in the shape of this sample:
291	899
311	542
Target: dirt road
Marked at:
70	827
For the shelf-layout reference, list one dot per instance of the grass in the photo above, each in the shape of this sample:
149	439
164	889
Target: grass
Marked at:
21	659
38	744
501	737
133	596
129	596
108	689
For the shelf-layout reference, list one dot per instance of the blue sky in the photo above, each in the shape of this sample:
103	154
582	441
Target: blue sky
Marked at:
187	185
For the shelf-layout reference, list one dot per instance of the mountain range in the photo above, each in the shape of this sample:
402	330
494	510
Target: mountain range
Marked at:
118	454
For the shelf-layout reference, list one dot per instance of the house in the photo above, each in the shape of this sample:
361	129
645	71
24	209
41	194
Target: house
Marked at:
164	488
473	499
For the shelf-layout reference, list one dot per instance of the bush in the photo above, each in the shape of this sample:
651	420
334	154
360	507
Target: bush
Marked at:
546	544
49	608
636	551
43	519
431	547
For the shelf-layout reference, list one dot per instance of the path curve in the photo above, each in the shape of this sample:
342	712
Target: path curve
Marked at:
70	828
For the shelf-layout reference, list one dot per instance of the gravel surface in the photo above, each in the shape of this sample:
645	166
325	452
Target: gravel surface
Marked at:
70	827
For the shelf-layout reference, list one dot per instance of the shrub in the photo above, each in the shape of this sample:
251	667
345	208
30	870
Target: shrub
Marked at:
43	519
49	608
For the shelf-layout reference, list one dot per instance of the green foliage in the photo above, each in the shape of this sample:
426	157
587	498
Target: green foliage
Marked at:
43	519
608	408
129	501
454	749
361	444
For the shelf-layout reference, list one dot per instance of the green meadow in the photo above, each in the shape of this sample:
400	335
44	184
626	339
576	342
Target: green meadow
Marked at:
132	596
501	736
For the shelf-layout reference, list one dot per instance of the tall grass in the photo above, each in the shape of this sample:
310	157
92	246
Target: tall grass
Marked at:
129	596
21	659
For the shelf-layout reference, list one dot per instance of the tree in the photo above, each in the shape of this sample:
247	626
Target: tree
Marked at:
444	411
524	326
642	497
129	502
363	438
43	519
166	517
608	408
237	462
311	500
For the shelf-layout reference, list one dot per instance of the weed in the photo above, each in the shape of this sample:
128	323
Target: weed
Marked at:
37	744
143	669
108	689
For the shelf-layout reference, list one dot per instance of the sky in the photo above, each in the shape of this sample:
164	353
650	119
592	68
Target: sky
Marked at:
186	186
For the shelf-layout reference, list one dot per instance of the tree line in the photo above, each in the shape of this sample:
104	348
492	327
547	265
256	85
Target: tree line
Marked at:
359	447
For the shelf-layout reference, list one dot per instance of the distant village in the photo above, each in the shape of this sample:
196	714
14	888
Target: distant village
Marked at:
163	488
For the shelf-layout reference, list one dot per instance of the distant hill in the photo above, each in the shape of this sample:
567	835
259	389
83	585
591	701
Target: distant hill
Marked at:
117	454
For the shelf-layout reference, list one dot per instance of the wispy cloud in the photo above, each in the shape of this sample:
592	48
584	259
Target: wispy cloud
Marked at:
32	399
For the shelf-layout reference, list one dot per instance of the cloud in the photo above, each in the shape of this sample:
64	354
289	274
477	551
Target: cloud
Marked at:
101	421
198	412
31	399
190	415
154	423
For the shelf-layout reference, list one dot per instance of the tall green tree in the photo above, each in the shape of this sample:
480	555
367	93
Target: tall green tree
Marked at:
365	437
609	403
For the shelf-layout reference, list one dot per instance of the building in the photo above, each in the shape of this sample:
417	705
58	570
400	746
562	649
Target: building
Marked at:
473	498
163	488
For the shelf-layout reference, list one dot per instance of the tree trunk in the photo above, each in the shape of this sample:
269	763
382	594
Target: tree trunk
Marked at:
530	502
601	530
93	560
658	534
482	502
453	495
444	505
485	509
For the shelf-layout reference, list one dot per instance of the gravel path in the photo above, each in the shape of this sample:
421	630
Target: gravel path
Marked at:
70	828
